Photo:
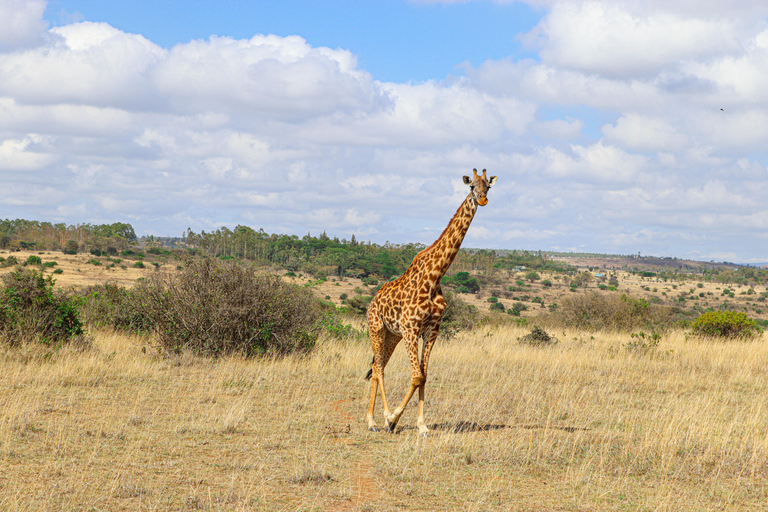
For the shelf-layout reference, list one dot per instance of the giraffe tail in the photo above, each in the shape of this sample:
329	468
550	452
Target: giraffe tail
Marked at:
370	372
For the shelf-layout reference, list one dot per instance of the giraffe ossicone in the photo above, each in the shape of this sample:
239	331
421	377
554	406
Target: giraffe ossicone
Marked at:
411	308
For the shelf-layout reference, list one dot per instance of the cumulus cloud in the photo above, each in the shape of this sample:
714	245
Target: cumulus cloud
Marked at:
611	40
611	138
21	23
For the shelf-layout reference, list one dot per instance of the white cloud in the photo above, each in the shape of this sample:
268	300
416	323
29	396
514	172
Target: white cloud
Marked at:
611	140
18	155
595	162
614	41
643	133
21	22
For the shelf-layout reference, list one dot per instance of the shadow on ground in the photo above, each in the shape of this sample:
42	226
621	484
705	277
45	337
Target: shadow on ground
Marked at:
471	426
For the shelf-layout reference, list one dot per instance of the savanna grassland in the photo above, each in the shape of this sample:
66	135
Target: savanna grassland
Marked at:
597	421
585	425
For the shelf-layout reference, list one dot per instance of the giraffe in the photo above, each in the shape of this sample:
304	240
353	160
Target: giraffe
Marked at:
411	307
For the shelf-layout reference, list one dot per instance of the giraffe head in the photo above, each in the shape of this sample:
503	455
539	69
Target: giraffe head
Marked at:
479	186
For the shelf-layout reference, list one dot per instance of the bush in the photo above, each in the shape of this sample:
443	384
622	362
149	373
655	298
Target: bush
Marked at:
30	310
10	261
50	264
213	307
725	324
497	306
594	312
538	337
138	264
110	305
359	303
462	282
458	315
33	260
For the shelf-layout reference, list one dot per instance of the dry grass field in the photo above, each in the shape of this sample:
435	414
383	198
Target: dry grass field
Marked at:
588	424
584	425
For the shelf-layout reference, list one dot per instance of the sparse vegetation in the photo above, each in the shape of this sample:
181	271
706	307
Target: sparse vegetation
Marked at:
624	413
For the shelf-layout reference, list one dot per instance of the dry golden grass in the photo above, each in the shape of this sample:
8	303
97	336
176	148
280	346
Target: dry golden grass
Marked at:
585	425
78	273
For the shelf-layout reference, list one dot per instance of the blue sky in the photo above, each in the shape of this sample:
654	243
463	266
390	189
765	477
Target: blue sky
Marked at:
601	118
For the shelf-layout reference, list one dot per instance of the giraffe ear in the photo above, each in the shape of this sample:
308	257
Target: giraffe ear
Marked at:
492	180
467	180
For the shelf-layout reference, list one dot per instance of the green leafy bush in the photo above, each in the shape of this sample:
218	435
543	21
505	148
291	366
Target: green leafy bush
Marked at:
462	282
30	310
497	306
725	324
213	307
33	260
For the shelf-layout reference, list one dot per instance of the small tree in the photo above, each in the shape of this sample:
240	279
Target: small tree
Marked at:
532	276
70	247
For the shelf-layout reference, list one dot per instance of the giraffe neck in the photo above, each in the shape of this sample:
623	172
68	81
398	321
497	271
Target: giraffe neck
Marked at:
446	247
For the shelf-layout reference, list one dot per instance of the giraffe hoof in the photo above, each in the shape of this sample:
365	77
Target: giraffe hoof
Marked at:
373	429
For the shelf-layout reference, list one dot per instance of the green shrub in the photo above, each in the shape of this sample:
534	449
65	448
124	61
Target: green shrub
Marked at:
138	264
497	306
30	310
110	305
58	271
213	307
370	281
725	324
33	260
334	327
94	261
50	264
462	282
343	296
